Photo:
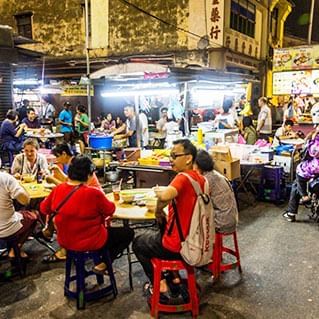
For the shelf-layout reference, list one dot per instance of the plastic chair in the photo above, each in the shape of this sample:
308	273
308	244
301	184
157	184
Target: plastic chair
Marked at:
174	265
81	294
217	267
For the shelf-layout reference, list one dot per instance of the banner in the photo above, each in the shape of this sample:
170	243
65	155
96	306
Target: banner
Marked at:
215	20
296	58
76	90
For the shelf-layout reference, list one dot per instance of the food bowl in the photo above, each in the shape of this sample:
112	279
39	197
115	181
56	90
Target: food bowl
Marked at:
27	178
127	197
98	162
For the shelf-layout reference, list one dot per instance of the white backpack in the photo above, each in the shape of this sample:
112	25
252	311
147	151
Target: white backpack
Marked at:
197	247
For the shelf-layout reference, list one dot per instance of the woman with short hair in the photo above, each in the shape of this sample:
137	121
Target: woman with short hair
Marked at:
80	222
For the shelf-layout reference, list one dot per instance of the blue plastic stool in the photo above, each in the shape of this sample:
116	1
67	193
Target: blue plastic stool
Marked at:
81	294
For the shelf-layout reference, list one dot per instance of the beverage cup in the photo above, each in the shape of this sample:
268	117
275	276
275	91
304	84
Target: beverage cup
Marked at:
116	192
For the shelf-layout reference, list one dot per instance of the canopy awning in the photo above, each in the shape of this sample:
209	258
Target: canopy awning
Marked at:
131	71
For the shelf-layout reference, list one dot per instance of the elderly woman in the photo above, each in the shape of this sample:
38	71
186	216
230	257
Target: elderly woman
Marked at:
30	161
80	222
222	194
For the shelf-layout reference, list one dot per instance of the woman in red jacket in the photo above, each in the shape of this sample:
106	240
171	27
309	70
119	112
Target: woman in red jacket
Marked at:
80	221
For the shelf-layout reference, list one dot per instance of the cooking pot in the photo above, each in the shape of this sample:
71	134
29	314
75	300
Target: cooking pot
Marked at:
112	176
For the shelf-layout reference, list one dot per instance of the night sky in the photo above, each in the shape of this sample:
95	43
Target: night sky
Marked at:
297	21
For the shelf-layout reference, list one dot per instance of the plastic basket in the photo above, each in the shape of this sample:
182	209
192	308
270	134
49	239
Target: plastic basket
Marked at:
100	142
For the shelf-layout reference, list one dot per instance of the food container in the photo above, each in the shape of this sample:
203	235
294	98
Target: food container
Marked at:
100	141
127	196
151	204
27	178
112	176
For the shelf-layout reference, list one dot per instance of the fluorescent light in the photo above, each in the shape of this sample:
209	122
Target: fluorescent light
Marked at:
26	82
166	91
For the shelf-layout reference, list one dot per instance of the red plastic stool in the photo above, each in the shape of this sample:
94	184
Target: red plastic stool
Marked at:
161	265
216	267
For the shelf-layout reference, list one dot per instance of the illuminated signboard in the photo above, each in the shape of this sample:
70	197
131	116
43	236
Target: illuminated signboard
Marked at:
296	82
296	58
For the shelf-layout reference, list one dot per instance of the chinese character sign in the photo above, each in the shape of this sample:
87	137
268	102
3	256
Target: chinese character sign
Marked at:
215	21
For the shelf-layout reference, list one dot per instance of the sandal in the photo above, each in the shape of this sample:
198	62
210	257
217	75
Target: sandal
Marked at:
49	259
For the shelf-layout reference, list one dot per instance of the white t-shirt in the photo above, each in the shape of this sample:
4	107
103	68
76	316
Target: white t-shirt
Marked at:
171	127
264	115
9	218
227	118
144	128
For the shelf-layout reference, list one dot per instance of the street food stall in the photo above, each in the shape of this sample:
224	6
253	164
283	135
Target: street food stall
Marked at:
296	74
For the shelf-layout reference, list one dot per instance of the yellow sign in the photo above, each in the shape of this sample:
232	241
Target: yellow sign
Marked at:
76	90
296	58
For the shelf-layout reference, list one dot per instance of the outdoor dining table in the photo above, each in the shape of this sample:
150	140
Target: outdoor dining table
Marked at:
131	213
44	136
35	190
249	168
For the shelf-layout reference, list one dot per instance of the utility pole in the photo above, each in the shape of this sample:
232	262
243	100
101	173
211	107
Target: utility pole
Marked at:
310	21
87	51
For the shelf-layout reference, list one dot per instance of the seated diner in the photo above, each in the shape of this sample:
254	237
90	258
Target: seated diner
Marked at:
80	222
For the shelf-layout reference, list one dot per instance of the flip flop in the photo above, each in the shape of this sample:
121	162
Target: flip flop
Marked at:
49	259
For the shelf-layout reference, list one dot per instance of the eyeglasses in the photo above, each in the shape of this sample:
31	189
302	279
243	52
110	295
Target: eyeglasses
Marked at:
174	156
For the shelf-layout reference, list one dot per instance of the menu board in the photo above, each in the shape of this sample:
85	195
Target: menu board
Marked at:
296	58
294	82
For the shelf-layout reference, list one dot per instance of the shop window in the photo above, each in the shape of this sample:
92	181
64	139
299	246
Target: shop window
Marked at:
24	24
243	17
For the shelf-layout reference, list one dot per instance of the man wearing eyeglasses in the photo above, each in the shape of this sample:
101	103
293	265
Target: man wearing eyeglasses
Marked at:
165	243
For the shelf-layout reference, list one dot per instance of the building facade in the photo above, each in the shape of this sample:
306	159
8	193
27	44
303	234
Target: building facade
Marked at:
223	35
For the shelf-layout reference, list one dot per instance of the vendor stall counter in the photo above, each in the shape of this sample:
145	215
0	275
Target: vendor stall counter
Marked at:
149	176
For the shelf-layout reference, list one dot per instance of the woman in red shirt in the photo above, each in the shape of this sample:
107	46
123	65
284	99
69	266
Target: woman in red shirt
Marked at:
80	222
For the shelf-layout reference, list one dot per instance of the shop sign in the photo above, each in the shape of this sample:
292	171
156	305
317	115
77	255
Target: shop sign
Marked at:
296	82
215	20
296	58
76	90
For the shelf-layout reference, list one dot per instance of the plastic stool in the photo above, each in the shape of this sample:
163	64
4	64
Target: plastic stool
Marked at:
81	294
174	265
12	243
272	186
216	267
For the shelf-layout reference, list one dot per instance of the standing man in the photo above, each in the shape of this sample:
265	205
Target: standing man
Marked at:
47	113
66	121
131	126
264	123
22	111
166	243
160	126
144	128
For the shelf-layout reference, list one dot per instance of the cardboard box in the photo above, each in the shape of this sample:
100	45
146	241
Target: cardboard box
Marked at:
224	163
231	169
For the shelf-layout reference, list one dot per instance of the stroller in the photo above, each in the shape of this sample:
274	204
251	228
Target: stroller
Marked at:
313	187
